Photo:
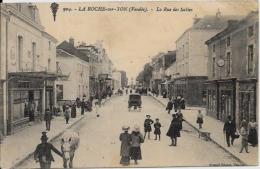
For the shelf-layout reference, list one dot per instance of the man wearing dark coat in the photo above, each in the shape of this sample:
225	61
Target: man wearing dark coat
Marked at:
82	107
174	130
73	111
229	129
169	106
43	154
48	118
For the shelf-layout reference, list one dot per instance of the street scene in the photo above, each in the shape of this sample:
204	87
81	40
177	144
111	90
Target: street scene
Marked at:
120	84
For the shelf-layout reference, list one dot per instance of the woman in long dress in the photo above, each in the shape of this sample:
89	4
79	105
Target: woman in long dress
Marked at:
136	139
252	128
125	139
174	130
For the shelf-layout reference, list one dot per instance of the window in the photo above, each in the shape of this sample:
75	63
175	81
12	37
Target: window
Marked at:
228	64
20	53
250	31
213	67
49	64
34	55
49	45
228	41
214	48
250	59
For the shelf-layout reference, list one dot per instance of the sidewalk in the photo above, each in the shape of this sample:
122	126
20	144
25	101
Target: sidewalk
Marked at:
17	147
215	127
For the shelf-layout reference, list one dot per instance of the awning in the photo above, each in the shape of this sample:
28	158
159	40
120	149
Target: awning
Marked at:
37	75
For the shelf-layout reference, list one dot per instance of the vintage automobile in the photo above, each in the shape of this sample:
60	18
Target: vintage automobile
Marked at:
134	101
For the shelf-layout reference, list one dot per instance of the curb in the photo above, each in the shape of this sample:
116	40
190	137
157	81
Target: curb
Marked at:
223	148
19	162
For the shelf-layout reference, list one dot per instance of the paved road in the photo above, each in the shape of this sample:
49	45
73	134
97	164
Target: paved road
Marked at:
100	145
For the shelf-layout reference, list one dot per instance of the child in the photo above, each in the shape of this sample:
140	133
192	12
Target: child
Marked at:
200	119
147	126
157	130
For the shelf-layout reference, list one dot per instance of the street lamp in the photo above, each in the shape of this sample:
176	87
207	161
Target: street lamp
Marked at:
54	9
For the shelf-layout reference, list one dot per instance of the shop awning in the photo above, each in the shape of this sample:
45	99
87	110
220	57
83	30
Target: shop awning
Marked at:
39	75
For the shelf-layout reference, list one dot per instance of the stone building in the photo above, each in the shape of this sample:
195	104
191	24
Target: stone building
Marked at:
28	66
191	58
233	70
75	64
116	80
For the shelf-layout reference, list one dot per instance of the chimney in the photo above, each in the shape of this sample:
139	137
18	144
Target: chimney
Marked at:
196	19
71	41
218	14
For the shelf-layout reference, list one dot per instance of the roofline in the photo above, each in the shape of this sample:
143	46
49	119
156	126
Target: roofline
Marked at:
73	56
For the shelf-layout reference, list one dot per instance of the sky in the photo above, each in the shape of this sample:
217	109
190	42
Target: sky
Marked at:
131	39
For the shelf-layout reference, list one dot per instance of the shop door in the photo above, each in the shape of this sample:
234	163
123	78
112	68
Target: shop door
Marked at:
226	105
247	105
49	99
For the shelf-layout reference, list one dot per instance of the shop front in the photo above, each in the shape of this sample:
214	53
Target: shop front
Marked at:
247	100
212	101
226	99
29	94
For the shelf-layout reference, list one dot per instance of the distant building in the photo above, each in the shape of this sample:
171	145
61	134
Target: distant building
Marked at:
191	58
28	66
75	64
116	80
124	80
233	70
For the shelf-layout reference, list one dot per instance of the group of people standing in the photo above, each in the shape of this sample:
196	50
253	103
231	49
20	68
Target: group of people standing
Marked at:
176	103
130	145
247	131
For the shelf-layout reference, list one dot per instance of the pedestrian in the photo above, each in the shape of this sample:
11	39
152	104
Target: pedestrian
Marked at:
175	103
82	107
31	110
229	129
157	129
43	154
252	128
125	139
179	116
169	106
136	140
73	111
147	126
200	119
48	118
174	130
244	136
182	103
96	102
67	114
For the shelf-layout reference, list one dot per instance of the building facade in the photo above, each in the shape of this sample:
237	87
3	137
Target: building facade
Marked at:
75	64
28	71
191	58
117	80
233	71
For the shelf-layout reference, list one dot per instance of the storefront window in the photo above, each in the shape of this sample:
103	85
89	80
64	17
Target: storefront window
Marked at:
247	107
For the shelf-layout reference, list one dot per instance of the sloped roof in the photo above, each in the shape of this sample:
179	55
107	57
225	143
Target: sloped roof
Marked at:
69	48
214	22
236	24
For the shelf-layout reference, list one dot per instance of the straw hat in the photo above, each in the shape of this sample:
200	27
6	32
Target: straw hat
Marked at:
125	128
148	115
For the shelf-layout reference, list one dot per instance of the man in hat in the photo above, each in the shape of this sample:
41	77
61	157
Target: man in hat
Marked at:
67	114
147	126
229	129
43	154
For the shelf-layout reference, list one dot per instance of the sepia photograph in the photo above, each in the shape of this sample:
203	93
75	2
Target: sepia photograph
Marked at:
129	84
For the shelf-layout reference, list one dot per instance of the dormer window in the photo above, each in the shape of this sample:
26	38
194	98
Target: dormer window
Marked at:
228	41
250	31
